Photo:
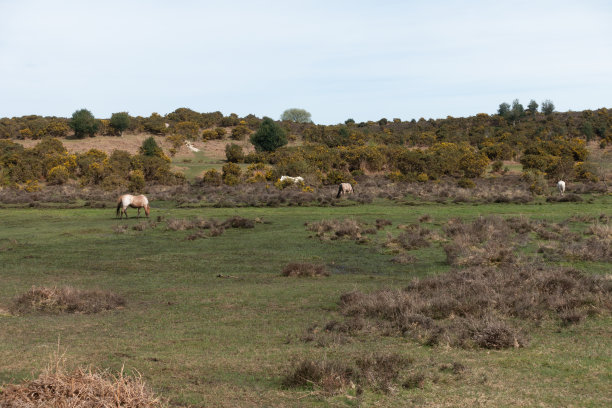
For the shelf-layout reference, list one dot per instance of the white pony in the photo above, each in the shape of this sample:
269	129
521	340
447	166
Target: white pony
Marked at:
344	188
297	179
561	187
128	200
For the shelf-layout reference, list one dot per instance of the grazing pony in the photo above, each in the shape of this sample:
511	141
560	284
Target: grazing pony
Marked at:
128	200
344	188
561	187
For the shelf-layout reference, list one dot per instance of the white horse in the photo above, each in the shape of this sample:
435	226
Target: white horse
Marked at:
561	187
128	200
344	188
297	179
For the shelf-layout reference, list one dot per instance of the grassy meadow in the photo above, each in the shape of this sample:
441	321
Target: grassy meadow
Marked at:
210	321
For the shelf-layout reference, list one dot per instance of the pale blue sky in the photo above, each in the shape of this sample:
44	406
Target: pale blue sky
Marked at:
337	59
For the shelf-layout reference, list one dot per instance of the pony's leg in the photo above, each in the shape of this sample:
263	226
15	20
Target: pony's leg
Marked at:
138	212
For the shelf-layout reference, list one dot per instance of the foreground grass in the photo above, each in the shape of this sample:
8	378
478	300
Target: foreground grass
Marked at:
202	340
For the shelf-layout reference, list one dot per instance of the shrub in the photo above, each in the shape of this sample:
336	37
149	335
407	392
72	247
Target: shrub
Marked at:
378	371
466	183
150	148
239	132
231	174
155	124
84	387
120	121
66	300
83	123
188	129
212	177
269	137
58	175
234	153
304	269
137	181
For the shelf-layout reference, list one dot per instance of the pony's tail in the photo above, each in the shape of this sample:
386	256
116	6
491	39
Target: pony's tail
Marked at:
118	208
339	191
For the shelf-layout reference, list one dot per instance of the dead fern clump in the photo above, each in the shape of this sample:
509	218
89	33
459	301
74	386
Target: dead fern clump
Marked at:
238	222
378	371
340	229
66	300
120	228
592	249
144	225
567	198
479	306
178	224
485	241
404	259
382	223
414	237
600	230
330	377
425	218
216	227
304	269
82	388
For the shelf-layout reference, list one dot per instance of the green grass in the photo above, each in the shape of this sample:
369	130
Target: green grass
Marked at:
196	164
207	341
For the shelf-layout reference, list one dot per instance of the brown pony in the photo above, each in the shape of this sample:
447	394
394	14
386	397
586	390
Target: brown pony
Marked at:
128	200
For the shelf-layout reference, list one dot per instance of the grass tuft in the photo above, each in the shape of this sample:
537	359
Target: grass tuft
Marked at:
66	300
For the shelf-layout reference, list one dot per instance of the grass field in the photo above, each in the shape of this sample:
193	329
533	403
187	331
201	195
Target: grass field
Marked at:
203	340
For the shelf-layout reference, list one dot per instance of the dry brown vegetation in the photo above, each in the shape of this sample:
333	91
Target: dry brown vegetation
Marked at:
379	371
304	269
342	229
210	227
66	300
81	388
478	306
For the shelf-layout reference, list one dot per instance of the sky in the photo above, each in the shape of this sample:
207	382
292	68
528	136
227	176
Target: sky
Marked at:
363	60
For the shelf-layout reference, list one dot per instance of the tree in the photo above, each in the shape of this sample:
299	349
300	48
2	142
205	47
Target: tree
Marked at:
120	121
296	115
269	137
517	111
503	110
151	148
548	107
532	107
83	123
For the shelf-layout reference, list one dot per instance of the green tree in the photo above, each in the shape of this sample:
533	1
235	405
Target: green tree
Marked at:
503	110
296	115
269	137
151	148
532	107
120	121
548	107
83	123
517	111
